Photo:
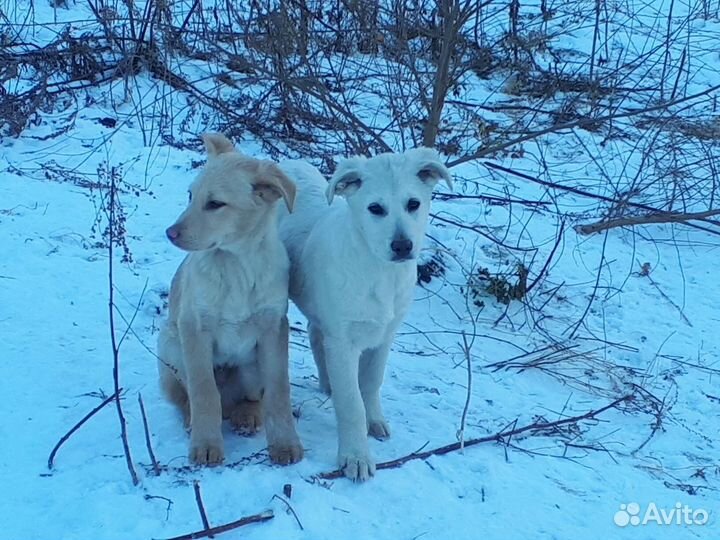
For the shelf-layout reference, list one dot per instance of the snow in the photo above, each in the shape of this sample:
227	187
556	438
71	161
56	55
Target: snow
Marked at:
651	336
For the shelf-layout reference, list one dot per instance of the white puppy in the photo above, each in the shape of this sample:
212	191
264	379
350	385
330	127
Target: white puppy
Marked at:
353	269
224	349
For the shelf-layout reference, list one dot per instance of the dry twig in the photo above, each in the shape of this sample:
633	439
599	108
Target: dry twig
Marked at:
111	207
257	518
155	466
647	219
77	426
497	437
466	347
201	508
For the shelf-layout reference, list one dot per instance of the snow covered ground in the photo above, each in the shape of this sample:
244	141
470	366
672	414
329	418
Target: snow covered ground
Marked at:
649	334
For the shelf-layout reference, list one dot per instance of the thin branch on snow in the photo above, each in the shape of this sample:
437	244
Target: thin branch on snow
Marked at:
545	267
201	508
257	518
148	444
77	426
466	347
111	204
497	437
579	323
583	193
580	122
647	219
290	509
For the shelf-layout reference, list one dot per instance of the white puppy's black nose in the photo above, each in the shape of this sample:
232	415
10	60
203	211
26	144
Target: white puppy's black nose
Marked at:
401	247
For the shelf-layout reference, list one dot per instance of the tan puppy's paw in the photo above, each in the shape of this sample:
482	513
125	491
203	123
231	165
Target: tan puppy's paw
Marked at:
207	450
286	453
379	429
246	417
358	467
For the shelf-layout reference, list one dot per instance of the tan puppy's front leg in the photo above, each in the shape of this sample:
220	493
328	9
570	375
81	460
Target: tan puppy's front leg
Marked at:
272	350
206	443
353	451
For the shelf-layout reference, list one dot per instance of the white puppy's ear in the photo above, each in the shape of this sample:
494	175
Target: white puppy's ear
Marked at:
430	168
270	183
347	178
216	144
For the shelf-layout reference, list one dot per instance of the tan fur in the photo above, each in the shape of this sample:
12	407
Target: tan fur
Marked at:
224	349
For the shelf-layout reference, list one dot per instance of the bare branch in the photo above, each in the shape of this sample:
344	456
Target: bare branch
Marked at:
111	207
583	193
257	518
148	443
647	219
580	122
201	508
77	426
535	426
467	352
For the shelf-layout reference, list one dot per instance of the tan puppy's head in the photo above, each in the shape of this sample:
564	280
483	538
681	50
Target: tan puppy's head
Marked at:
230	199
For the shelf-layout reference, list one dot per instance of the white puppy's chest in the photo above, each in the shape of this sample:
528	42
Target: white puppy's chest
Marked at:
378	306
388	297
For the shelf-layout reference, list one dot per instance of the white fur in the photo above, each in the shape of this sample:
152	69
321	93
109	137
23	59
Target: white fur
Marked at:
344	279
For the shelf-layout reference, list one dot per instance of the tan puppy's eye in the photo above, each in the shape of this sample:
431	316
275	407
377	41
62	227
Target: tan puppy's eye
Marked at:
214	205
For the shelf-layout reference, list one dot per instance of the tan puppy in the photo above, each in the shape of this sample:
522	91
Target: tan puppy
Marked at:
224	349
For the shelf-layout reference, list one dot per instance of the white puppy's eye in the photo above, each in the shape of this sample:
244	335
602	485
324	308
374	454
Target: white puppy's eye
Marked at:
376	210
412	205
189	196
214	205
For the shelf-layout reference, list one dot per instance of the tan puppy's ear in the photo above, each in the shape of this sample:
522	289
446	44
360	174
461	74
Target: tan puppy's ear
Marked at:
430	168
271	183
216	144
347	179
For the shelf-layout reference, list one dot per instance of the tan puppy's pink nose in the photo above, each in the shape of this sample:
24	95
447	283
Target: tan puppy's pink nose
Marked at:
173	233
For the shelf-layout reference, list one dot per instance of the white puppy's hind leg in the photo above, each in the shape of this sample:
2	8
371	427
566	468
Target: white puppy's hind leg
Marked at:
372	371
353	451
318	350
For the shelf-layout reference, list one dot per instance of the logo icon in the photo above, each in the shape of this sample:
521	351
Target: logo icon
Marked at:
629	514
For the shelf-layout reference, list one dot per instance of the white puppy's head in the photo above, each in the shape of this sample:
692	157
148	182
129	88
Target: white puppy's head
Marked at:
229	199
389	198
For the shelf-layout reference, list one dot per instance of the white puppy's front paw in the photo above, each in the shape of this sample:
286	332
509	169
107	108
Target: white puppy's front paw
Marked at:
207	450
357	466
379	429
